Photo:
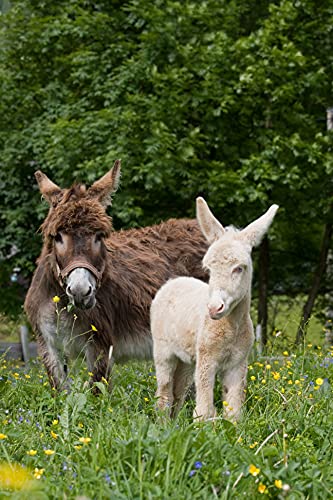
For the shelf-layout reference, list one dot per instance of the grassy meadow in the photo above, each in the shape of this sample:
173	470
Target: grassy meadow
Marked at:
54	445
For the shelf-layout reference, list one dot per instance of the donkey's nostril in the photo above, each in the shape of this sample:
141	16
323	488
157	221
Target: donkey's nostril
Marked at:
88	292
68	290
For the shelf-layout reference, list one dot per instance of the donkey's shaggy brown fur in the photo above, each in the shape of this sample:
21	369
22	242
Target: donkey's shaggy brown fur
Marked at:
133	264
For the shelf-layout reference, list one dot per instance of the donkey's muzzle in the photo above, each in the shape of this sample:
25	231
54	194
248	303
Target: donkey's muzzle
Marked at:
81	288
82	300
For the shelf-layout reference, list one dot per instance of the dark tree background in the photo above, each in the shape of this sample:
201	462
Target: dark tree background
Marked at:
226	99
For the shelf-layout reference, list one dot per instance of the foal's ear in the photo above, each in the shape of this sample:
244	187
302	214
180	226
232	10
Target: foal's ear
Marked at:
254	232
49	190
211	228
104	188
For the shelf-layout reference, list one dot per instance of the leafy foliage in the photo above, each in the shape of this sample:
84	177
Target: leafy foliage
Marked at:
224	99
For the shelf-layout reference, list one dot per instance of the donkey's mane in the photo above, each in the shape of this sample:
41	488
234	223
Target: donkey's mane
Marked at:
77	211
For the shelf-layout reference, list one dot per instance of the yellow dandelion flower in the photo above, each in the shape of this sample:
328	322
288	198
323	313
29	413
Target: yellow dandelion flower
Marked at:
49	452
27	376
268	367
94	329
225	403
253	470
263	381
56	299
262	488
297	382
276	375
15	477
77	447
285	353
290	382
319	381
282	390
110	410
278	483
32	453
38	473
3	436
309	345
240	439
80	424
146	399
253	377
105	381
85	440
253	445
55	422
90	374
54	435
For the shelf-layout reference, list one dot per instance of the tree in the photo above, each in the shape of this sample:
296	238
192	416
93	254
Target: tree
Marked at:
215	98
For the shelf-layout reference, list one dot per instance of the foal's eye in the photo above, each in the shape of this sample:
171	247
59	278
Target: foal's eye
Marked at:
58	238
238	270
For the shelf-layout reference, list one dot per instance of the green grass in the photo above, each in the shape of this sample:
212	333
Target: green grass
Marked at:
135	453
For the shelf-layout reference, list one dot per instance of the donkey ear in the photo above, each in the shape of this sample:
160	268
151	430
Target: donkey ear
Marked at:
104	188
49	190
254	232
211	228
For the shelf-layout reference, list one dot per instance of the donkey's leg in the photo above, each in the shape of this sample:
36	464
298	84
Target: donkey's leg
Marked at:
183	379
99	364
234	383
53	362
205	373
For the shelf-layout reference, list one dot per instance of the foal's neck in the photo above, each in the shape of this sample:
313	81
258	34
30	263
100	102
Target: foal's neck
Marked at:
241	312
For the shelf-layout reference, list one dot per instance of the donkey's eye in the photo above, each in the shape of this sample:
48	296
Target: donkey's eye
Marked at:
58	238
238	270
99	237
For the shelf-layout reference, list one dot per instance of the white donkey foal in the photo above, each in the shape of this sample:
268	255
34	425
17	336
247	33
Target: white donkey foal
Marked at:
205	329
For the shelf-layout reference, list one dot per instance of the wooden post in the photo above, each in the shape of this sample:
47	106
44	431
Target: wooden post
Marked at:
24	337
263	290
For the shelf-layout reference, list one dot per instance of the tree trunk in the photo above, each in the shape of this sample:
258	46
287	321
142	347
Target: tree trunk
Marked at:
329	300
307	309
263	288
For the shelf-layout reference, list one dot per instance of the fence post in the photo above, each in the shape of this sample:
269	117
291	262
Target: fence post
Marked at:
24	337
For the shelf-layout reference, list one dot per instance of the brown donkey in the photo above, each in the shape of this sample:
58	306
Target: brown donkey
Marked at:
107	278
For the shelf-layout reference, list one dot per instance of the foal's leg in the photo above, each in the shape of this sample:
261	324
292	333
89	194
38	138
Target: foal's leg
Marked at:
234	383
165	370
183	379
205	373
